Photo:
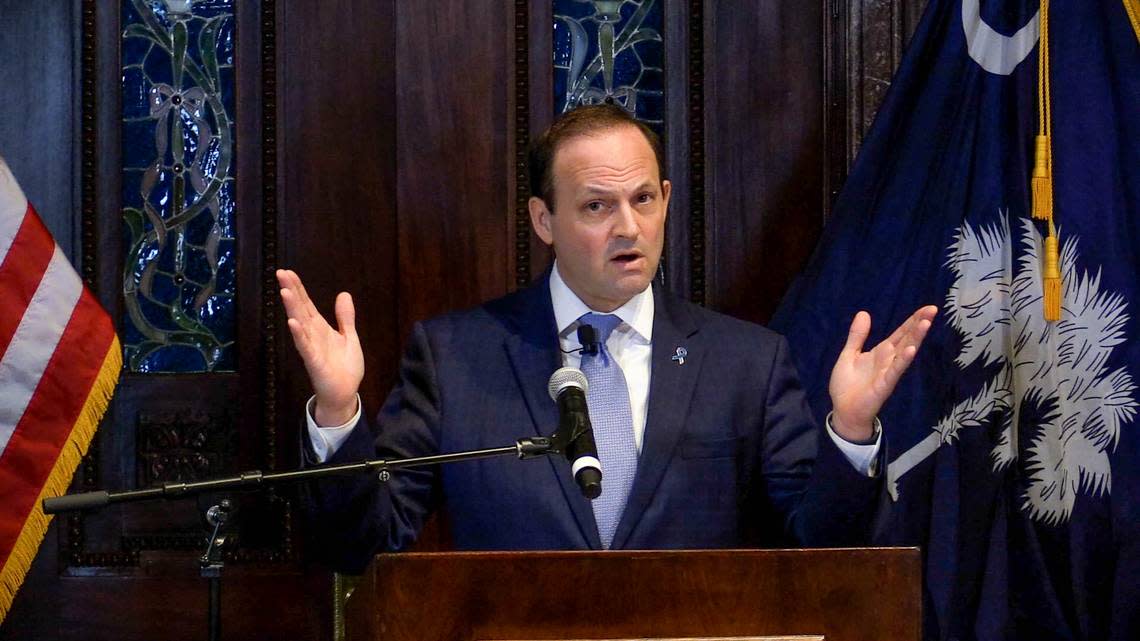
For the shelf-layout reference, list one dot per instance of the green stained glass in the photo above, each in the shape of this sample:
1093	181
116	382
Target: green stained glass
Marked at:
178	185
610	51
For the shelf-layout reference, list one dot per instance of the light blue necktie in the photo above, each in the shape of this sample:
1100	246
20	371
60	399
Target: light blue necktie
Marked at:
612	420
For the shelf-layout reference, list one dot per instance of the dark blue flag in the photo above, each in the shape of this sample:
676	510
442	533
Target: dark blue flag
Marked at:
1013	441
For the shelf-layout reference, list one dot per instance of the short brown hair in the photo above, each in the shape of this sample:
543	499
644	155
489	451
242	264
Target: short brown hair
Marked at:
582	121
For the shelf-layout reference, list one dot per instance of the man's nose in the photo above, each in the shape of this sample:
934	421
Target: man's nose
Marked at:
625	221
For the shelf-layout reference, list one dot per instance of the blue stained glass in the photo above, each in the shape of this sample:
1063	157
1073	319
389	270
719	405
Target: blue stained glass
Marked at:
226	44
156	65
163	290
128	15
562	45
135	87
198	270
190	131
226	74
156	312
135	48
211	156
198	230
132	199
179	281
138	143
167	261
559	89
227	266
226	210
190	291
587	72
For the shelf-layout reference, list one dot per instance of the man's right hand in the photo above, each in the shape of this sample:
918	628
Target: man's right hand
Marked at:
332	357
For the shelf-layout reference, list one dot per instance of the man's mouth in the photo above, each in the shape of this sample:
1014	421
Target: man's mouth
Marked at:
625	258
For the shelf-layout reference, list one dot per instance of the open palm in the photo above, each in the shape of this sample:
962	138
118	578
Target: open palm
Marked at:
861	382
332	356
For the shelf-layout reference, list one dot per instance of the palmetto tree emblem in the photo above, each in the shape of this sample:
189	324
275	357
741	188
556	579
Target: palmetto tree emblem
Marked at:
1053	386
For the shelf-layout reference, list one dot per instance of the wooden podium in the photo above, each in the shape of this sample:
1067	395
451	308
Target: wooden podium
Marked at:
837	595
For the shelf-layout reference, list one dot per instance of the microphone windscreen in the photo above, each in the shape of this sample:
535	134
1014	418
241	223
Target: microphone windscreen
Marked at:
564	377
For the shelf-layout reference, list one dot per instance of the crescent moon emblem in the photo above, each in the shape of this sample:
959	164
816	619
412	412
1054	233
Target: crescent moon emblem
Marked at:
992	51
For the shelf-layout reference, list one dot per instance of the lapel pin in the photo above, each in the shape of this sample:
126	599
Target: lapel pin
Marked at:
680	355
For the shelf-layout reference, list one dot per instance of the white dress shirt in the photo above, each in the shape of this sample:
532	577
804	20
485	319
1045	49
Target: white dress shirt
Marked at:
630	344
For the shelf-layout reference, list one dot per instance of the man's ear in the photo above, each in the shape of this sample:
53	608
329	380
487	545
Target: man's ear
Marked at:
540	219
666	191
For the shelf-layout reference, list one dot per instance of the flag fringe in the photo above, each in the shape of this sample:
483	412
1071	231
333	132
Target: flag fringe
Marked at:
1132	7
36	525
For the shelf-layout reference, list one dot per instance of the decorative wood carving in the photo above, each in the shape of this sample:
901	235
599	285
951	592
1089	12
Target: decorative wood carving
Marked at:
177	446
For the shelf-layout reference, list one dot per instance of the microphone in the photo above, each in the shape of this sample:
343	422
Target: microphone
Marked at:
588	339
568	387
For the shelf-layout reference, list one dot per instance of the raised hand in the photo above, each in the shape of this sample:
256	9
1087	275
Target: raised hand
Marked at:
861	382
333	357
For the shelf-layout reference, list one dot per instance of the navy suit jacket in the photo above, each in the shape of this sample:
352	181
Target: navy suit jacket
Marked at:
731	455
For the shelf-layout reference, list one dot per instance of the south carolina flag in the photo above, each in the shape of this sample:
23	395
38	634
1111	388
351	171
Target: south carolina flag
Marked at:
59	362
1013	443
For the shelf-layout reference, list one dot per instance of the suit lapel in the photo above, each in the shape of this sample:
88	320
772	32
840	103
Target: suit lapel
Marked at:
671	389
533	353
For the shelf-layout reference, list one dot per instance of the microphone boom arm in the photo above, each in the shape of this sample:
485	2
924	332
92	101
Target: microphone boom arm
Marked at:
524	448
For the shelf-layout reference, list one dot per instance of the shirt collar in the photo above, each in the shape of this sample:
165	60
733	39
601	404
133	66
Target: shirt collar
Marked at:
637	312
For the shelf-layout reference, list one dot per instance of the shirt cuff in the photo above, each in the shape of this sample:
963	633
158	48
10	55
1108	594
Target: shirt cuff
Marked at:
327	440
864	458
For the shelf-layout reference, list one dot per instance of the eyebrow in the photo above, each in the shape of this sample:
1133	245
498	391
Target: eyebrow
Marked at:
596	190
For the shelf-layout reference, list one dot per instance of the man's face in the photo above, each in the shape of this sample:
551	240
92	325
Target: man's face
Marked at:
608	224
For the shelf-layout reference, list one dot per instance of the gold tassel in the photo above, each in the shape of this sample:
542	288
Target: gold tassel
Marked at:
1133	9
1042	181
1052	279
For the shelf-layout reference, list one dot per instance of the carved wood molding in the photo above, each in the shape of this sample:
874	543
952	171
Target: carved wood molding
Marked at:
73	549
696	168
522	142
269	301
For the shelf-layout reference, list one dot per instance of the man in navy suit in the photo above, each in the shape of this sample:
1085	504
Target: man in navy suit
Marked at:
725	450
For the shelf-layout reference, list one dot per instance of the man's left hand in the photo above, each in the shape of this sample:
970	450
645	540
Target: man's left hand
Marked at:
861	382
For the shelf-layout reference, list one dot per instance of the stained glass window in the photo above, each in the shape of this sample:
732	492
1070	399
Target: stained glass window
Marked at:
178	185
610	50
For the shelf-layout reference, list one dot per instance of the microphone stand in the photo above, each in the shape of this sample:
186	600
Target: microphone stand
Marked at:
219	515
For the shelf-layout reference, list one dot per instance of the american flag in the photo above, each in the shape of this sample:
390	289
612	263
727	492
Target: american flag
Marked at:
59	362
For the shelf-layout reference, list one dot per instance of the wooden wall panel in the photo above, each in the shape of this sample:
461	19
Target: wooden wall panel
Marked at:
535	86
763	82
455	191
338	215
684	264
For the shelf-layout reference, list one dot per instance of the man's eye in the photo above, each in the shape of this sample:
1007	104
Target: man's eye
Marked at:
644	198
595	206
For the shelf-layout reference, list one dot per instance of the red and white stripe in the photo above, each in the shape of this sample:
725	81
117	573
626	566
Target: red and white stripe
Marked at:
54	338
